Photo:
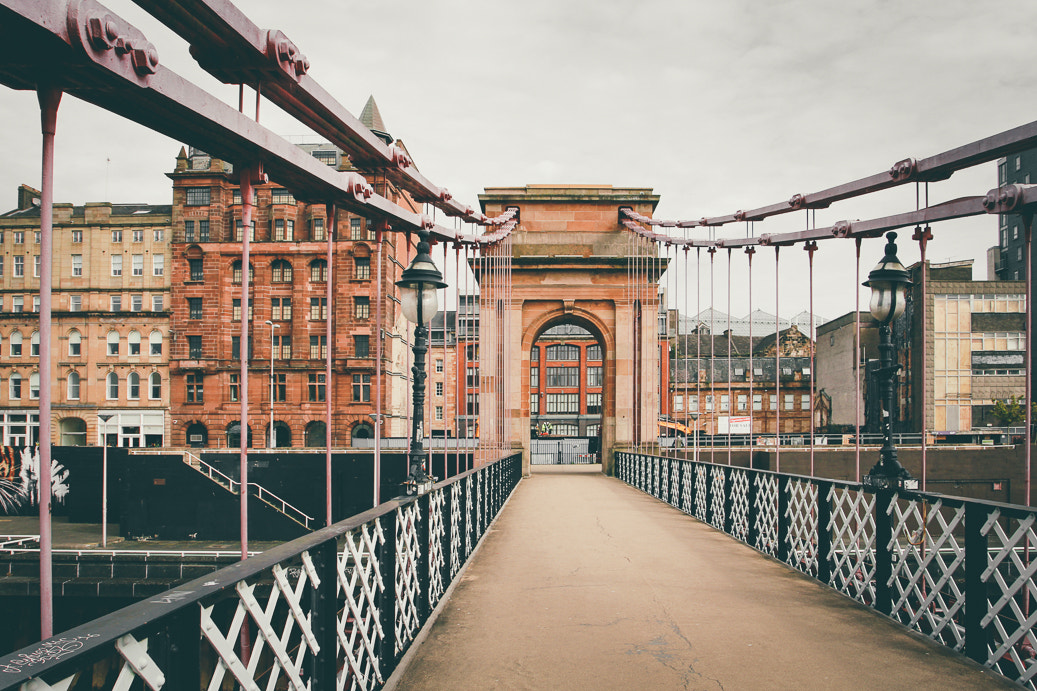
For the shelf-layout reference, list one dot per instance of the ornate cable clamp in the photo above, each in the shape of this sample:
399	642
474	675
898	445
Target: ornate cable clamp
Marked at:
287	56
111	41
841	229
904	170
1009	198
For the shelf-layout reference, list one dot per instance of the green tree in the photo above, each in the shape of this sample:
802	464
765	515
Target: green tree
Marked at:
1010	412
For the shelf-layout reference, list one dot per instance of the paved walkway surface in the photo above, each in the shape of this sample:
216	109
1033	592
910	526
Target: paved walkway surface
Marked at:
586	583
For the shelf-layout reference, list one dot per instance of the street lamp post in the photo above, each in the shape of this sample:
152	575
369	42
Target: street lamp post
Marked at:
273	435
888	281
418	285
104	417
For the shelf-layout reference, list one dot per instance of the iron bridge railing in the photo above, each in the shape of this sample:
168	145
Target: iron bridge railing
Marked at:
335	609
959	571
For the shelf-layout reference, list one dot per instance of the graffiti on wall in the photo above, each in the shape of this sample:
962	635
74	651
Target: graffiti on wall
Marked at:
20	478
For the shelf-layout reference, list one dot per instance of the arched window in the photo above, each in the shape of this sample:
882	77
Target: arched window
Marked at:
73	386
34	386
235	270
363	431
34	344
281	272
315	434
133	386
283	435
15	385
155	386
113	342
319	271
73	432
16	344
155	340
112	386
75	344
133	340
234	435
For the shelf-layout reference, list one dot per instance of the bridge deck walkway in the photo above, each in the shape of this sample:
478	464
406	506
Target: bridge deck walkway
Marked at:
586	583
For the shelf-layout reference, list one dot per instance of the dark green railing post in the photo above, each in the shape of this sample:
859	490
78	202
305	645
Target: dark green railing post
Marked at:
883	554
752	534
976	605
424	540
387	657
729	501
324	608
176	648
824	532
781	533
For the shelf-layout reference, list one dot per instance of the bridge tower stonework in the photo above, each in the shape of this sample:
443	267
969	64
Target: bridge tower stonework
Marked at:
570	263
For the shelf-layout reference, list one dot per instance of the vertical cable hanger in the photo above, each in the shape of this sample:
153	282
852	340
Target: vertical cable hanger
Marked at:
811	247
857	357
730	372
777	361
749	252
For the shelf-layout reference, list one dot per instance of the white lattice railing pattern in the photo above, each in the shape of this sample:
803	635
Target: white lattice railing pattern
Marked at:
341	604
961	572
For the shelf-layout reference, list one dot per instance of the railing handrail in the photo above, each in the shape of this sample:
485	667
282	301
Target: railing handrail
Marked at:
285	506
211	470
133	552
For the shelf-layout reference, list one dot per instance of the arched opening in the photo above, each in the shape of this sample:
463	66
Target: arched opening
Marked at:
282	434
567	392
316	434
73	432
234	435
197	435
362	431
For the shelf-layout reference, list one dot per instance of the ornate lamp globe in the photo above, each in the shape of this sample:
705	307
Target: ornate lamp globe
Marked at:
888	281
418	285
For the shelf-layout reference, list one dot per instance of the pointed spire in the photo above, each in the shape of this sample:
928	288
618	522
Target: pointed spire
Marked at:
372	119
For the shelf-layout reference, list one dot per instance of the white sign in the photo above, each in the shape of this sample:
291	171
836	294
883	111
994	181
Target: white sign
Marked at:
733	425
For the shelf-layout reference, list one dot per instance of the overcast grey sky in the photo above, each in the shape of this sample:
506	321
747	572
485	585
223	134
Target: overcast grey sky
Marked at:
718	106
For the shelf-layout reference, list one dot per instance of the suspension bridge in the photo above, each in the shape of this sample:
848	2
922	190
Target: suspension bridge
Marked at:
920	586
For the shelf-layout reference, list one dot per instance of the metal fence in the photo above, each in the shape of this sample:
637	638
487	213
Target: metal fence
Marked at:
574	451
335	609
958	571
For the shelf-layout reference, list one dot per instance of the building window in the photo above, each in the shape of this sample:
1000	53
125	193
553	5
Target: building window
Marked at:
278	229
19	266
133	386
362	388
280	387
757	401
534	377
319	271
158	264
113	343
1	265
316	387
563	403
280	309
361	307
534	354
136	303
194	347
116	303
595	376
239	232
156	303
325	157
318	308
138	236
116	265
75	344
472	378
197	196
563	376
155	386
439	413
112	386
36	264
235	269
236	309
234	389
197	272
362	266
804	402
77	236
195	392
563	352
16	343
709	402
725	403
594	404
203	231
77	265
439	365
15	386
354	229
116	236
75	303
678	403
318	347
472	404
34	386
742	401
439	388
155	343
133	342
188	231
318	229
19	237
773	402
18	303
236	196
73	386
281	196
158	235
534	403
362	345
34	344
594	352
281	272
282	347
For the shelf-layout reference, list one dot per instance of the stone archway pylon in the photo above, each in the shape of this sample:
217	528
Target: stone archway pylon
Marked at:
570	262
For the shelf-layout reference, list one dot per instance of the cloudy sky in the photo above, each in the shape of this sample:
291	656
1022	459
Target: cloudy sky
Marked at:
717	106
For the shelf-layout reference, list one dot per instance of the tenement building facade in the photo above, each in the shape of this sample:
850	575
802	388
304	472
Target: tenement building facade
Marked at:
110	328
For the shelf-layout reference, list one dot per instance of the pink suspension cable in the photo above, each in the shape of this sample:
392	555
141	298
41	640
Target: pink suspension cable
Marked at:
246	230
811	247
730	397
712	400
698	345
923	236
777	362
750	251
687	354
327	376
857	361
378	423
1027	240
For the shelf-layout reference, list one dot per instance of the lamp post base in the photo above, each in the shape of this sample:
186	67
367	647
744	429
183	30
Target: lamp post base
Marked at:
419	486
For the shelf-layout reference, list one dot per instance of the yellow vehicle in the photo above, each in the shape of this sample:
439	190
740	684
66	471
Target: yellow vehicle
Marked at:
668	428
